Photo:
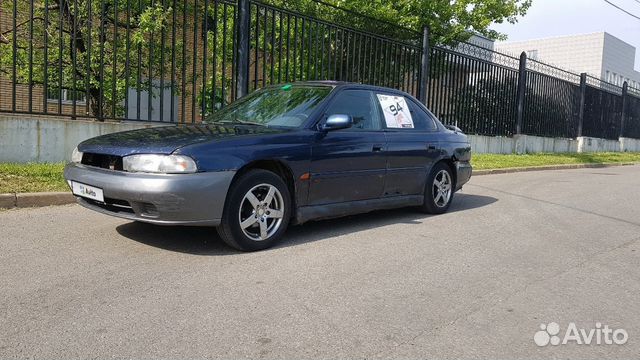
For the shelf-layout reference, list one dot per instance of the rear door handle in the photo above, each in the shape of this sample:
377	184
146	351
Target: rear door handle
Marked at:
431	147
378	148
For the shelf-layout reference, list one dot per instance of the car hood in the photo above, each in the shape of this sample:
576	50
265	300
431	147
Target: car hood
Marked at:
167	139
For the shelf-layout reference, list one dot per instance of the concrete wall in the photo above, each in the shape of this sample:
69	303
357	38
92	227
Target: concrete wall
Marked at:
523	144
492	145
32	139
589	144
631	145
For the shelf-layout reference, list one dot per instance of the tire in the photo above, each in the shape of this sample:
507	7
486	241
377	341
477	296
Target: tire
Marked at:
437	198
251	221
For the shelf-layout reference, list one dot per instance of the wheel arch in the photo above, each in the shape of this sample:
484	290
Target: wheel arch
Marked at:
277	167
451	163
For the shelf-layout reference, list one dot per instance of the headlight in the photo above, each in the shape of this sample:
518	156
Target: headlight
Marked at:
76	156
165	164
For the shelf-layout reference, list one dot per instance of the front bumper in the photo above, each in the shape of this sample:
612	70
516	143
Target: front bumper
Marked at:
180	199
463	172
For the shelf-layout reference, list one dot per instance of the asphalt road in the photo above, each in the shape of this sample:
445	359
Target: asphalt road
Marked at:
516	251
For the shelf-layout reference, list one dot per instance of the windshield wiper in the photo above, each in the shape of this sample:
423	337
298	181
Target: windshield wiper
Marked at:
250	123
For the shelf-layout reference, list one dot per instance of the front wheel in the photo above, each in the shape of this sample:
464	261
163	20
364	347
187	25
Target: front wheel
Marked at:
257	212
439	190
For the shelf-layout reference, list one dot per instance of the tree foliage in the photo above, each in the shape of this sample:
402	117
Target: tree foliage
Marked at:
449	21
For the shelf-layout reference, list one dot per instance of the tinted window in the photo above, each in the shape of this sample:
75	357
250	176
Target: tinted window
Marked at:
422	121
359	105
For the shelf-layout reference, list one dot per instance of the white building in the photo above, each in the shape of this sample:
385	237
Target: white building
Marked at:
601	55
481	41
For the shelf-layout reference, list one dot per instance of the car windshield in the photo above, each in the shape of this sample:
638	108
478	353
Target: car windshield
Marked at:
286	106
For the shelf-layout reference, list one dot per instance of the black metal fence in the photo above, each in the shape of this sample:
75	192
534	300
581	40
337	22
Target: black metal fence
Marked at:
178	61
286	46
632	116
489	93
473	88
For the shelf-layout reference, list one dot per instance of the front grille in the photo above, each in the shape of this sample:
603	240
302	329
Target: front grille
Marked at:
103	161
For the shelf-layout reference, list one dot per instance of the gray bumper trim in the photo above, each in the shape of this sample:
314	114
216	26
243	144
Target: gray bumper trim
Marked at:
181	199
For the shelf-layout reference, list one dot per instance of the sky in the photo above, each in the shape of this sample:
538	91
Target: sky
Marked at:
547	18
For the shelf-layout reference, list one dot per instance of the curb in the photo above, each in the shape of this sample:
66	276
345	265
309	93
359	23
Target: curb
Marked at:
546	167
26	200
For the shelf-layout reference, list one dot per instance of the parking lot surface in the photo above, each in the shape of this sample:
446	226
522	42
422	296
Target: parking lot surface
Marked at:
515	251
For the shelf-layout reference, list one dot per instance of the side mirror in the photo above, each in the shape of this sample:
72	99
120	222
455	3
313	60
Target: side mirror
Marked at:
337	122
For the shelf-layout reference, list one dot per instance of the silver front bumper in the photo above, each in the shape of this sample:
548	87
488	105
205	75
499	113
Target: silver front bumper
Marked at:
181	199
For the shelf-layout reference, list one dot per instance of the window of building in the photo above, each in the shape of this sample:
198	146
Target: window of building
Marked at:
66	95
532	54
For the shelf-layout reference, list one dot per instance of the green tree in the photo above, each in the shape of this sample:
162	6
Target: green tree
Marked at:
449	21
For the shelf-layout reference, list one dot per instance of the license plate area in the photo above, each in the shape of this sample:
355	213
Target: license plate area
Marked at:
87	191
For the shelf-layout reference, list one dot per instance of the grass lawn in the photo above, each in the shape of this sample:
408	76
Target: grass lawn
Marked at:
31	178
48	177
493	161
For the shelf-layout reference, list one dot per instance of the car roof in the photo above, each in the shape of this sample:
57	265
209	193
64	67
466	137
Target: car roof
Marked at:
345	84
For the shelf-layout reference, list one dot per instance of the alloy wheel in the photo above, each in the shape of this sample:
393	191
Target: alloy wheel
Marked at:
442	187
261	212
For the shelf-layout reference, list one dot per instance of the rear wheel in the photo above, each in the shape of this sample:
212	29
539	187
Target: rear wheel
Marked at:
439	190
257	212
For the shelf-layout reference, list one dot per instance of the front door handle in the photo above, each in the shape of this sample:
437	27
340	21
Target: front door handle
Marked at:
378	148
431	147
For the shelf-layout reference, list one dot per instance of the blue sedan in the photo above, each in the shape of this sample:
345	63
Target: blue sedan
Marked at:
291	153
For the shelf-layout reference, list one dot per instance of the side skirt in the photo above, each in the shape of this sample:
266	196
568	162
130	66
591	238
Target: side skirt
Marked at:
328	211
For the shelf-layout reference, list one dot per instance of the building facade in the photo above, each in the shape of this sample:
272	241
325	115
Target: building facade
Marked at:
601	55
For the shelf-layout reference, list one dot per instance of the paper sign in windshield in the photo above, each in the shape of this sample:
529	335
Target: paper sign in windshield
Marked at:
396	111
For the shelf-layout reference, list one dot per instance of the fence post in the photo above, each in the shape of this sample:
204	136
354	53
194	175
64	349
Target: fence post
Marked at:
522	87
623	114
424	67
583	93
242	48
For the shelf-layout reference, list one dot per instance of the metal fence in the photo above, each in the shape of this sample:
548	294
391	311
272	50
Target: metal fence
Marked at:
179	61
473	88
288	46
632	117
489	93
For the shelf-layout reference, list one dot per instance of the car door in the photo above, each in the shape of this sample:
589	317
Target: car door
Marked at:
412	144
349	164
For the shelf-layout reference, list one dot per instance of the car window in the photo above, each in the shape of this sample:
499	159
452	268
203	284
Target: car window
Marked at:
422	120
358	104
286	106
401	113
